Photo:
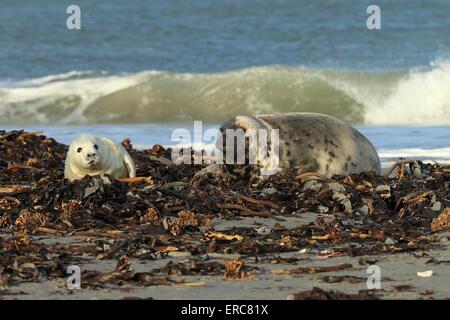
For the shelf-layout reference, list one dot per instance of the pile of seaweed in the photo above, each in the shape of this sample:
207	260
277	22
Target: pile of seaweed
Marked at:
171	208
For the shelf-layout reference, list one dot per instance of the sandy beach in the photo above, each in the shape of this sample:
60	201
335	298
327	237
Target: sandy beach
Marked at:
399	275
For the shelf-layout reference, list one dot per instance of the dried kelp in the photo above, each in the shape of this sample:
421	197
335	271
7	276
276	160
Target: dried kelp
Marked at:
169	210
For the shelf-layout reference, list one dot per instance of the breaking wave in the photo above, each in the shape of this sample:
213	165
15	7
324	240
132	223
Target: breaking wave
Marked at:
420	96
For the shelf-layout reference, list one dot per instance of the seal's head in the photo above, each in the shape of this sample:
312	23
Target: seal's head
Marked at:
86	152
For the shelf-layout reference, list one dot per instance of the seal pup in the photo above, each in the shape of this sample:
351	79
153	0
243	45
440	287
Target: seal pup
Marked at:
309	142
91	155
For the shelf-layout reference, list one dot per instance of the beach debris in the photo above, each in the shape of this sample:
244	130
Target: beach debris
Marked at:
170	213
425	274
405	168
268	192
311	176
222	237
437	206
313	269
339	279
441	222
320	294
384	191
263	230
216	170
427	292
404	287
390	241
234	271
329	255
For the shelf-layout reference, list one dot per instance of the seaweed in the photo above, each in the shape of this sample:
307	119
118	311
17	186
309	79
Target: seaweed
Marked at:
170	211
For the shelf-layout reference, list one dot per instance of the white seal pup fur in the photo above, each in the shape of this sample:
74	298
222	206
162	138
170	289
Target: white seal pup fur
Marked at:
311	142
92	155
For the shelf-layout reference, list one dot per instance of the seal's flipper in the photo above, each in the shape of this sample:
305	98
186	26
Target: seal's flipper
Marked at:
123	156
129	164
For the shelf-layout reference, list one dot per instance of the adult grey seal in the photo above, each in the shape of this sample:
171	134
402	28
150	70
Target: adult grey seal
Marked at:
91	155
309	142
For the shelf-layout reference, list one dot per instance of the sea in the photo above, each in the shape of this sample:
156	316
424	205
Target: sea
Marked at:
141	69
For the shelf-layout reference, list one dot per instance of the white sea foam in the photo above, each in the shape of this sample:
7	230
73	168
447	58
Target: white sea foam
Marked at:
380	98
421	97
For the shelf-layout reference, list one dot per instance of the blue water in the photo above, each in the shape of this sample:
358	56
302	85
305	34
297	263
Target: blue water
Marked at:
212	36
138	68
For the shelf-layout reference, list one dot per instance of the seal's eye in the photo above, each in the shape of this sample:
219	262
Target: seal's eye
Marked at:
79	150
96	147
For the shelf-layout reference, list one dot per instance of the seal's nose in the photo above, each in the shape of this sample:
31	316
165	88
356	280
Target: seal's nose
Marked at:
91	155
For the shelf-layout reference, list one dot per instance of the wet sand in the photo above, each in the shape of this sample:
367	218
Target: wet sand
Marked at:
399	279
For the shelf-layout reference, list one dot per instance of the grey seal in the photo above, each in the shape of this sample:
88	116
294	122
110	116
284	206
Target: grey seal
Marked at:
310	142
92	155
